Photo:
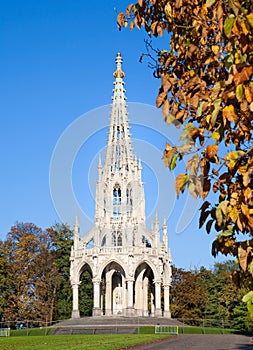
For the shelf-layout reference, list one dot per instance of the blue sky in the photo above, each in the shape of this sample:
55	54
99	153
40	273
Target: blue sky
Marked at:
57	60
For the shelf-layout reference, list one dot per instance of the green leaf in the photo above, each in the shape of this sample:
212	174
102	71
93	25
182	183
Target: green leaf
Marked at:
239	92
170	119
199	110
174	162
226	233
209	3
217	108
250	268
250	307
228	25
248	297
185	132
229	60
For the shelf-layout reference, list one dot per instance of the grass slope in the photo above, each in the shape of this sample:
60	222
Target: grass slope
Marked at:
76	342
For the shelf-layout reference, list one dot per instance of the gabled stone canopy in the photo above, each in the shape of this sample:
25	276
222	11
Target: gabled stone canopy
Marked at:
129	265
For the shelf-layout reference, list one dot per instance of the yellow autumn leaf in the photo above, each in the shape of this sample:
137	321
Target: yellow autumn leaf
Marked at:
216	136
244	28
215	49
233	214
229	114
250	19
168	10
248	94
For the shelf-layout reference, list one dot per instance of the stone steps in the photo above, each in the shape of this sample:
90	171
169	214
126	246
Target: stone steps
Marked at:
110	325
95	330
117	321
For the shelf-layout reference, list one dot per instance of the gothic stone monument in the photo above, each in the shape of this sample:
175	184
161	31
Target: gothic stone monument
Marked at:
129	265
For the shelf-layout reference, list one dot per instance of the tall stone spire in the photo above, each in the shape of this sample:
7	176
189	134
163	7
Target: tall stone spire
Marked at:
120	193
119	251
119	154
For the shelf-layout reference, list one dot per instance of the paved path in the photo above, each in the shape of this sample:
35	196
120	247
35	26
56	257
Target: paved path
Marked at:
202	342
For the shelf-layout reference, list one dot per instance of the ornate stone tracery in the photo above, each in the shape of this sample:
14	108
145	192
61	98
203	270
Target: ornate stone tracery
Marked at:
130	266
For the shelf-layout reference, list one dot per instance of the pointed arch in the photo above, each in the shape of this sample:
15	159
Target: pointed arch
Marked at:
108	262
113	279
116	201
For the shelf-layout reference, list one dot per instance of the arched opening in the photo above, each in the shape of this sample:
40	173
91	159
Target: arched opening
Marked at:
113	290
116	202
86	292
144	291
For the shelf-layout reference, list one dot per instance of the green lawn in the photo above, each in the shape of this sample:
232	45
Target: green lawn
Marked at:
76	342
39	339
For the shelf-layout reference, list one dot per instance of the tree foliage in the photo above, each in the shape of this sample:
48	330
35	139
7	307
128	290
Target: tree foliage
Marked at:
206	74
86	295
34	276
208	294
188	295
34	273
61	237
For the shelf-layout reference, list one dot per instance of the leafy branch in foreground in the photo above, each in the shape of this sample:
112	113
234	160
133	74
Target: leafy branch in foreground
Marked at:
206	74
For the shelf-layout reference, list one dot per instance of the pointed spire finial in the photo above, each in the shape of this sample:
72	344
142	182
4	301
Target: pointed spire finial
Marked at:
156	216
118	73
99	161
164	221
76	225
76	221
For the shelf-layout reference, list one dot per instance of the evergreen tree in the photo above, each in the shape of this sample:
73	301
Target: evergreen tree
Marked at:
62	239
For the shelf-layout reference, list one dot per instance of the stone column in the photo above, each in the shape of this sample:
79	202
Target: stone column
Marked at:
145	296
152	306
108	293
75	310
108	298
130	298
96	306
158	310
167	301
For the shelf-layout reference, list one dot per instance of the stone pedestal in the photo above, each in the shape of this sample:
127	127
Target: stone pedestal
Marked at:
130	312
96	311
158	313
75	314
167	314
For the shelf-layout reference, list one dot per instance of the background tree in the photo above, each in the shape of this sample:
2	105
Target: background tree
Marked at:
47	281
188	294
26	252
86	294
61	238
35	271
223	294
209	294
206	72
6	279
